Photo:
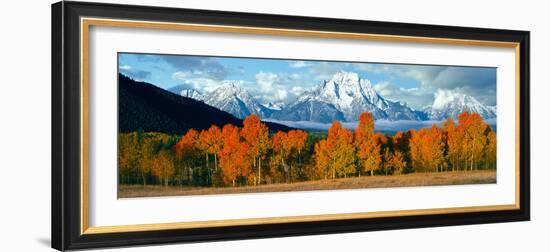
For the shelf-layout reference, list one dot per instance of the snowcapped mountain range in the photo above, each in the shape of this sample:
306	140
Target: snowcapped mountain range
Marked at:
274	105
187	92
344	97
235	100
460	103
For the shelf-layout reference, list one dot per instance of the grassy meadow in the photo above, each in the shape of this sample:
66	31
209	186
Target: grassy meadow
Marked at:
405	180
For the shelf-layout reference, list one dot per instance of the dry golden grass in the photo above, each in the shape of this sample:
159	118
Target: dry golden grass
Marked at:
415	179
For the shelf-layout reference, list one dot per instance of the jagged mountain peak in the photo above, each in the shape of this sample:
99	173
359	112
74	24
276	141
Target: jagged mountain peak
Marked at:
343	96
451	103
348	81
349	94
232	87
345	87
186	91
147	107
236	100
342	76
441	102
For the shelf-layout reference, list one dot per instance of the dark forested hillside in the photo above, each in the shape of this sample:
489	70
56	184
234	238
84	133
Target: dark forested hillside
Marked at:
143	106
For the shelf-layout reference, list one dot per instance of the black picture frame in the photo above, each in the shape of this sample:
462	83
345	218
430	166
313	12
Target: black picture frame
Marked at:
66	114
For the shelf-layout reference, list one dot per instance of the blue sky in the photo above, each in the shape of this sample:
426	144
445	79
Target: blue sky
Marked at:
272	80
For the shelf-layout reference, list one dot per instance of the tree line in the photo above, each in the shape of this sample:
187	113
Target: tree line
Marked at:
250	155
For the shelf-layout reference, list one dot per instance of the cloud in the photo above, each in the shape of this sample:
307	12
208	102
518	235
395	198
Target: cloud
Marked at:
125	67
133	73
421	73
417	85
460	77
479	82
299	64
198	66
443	97
181	75
204	74
325	70
281	94
379	125
196	82
298	90
414	97
266	81
275	87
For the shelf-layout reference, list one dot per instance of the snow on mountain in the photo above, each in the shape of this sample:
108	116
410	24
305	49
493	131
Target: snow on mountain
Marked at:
192	93
274	105
348	94
232	98
450	104
184	91
344	97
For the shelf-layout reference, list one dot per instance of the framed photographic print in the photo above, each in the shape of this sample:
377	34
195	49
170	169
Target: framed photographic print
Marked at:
180	125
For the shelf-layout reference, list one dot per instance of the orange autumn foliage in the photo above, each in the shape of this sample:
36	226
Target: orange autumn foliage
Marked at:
472	129
255	134
368	144
285	144
211	143
187	145
250	155
454	139
427	149
163	167
336	155
491	150
234	156
297	139
322	159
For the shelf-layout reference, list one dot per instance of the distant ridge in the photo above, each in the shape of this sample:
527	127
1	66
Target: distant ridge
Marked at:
143	106
343	97
459	103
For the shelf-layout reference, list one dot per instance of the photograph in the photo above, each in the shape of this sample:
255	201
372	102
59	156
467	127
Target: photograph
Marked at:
183	124
203	124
